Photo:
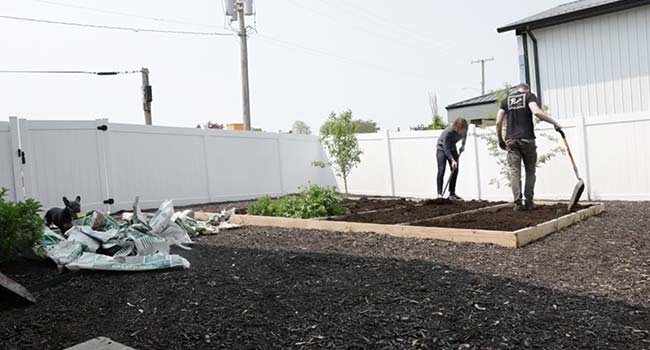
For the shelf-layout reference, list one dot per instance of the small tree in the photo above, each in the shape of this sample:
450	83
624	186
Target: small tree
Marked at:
338	137
490	137
437	124
300	127
365	126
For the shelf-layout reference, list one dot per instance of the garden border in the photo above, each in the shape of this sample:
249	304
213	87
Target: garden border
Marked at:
509	239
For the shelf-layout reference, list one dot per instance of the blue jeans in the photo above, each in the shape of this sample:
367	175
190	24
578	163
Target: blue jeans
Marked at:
442	165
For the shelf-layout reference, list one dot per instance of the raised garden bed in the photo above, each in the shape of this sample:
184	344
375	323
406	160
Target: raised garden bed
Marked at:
477	222
501	218
411	211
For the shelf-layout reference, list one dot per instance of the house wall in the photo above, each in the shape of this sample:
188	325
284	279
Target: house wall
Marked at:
598	66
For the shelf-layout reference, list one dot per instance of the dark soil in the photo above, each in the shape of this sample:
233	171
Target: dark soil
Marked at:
368	204
261	299
504	219
585	287
416	211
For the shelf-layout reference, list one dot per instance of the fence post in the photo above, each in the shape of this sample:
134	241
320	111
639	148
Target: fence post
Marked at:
103	159
25	146
476	161
389	165
16	164
279	150
583	145
211	195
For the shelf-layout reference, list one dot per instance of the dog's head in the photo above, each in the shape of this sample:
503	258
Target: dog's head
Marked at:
74	206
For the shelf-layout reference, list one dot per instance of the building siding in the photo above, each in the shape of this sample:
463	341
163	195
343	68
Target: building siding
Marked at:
595	67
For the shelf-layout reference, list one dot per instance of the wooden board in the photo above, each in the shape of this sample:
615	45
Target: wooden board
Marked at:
531	234
504	239
509	239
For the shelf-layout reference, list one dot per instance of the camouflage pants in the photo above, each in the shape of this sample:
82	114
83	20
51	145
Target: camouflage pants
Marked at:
522	150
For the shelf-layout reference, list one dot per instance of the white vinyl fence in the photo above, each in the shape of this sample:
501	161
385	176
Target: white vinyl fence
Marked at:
613	155
10	177
110	164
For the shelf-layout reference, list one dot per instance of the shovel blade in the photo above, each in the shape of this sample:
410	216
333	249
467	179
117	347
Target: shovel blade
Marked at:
577	193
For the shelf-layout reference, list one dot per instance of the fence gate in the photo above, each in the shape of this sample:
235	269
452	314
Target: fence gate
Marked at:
10	160
65	158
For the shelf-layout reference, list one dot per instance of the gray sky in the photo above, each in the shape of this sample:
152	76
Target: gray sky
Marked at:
376	57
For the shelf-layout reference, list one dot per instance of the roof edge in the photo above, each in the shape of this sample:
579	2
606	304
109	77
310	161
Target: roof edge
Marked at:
456	106
574	16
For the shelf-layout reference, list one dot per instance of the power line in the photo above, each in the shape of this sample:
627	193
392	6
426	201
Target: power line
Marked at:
67	72
343	59
125	14
129	29
362	12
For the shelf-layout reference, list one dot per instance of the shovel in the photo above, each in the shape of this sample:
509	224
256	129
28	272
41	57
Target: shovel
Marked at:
580	186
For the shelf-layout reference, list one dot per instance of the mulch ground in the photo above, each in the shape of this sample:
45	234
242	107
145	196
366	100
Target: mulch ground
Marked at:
503	219
413	211
585	287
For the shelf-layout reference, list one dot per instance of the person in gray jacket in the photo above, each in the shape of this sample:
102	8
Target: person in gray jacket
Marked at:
446	152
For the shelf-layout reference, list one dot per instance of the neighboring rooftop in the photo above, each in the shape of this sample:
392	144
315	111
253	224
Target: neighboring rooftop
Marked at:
475	101
572	11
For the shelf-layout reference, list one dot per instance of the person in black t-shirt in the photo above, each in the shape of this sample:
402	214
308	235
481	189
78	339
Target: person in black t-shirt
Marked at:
518	108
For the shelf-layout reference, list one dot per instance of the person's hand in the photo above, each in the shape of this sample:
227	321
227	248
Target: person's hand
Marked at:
502	145
454	164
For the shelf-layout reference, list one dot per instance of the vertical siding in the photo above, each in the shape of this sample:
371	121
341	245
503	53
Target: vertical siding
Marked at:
597	66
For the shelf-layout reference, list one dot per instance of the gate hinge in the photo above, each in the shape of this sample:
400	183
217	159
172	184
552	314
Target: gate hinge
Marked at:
109	201
102	127
21	155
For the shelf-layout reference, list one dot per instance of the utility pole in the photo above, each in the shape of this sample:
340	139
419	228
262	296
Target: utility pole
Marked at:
147	96
482	62
244	65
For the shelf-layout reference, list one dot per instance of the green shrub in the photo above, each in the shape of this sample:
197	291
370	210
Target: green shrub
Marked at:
20	226
264	206
312	201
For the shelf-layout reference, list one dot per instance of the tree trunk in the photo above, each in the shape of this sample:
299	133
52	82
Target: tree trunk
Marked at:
345	184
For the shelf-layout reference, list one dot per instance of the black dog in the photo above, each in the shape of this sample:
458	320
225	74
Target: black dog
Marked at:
62	217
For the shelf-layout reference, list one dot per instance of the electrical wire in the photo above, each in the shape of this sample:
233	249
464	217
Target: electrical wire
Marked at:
125	14
130	29
361	12
68	72
316	52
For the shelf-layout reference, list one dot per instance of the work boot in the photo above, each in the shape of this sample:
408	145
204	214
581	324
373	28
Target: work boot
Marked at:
518	207
455	197
530	205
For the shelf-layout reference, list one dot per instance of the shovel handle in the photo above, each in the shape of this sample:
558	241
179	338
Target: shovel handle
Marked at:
568	149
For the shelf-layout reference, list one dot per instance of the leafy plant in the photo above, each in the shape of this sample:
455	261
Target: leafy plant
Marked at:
490	137
365	126
300	127
338	137
264	206
312	201
20	226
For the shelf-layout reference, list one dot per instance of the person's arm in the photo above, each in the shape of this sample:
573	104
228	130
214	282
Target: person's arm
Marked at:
462	146
501	114
539	113
447	146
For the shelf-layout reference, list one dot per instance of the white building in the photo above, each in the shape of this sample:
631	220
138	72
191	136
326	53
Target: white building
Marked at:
589	57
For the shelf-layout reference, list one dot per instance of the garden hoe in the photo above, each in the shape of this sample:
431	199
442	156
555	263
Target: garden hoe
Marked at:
580	186
442	200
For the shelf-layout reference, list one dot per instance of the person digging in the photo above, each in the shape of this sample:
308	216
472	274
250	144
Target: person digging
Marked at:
446	152
518	109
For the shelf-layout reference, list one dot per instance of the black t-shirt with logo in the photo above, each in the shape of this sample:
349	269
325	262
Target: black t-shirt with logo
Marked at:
520	117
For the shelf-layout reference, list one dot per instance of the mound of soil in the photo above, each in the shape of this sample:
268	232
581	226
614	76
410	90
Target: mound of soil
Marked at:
369	204
504	219
415	211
